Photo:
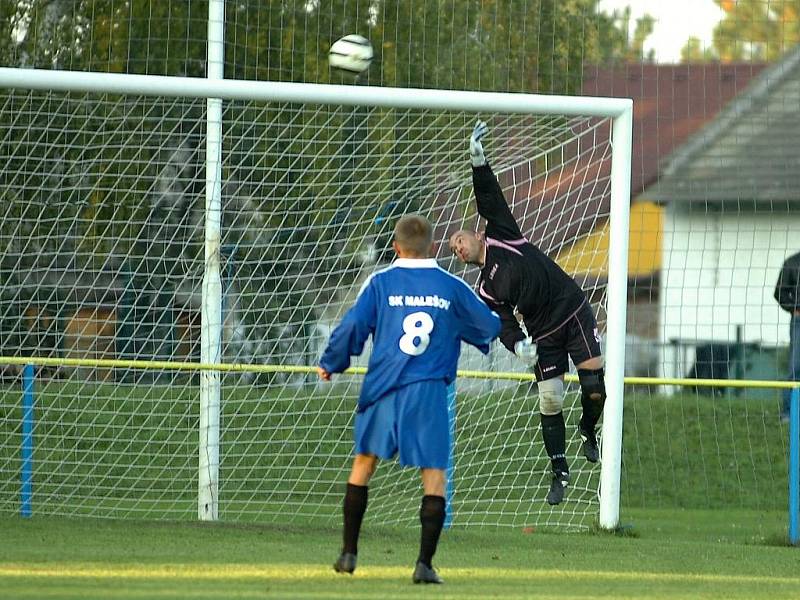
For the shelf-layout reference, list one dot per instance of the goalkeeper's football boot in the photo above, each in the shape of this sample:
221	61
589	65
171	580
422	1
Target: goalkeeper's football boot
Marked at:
557	487
346	563
425	574
590	448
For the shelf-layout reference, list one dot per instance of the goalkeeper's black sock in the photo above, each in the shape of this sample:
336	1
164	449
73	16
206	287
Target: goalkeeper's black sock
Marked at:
355	505
555	441
431	516
592	409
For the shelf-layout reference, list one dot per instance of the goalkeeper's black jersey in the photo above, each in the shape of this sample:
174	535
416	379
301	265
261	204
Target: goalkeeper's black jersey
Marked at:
516	274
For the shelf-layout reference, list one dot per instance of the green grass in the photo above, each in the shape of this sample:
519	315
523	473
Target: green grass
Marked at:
131	451
692	450
671	554
703	486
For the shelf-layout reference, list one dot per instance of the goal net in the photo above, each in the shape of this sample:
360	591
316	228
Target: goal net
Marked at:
103	216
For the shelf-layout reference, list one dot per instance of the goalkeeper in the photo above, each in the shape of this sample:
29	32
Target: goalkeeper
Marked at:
417	314
516	275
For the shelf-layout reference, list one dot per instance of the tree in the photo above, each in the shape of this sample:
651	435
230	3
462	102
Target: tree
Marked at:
695	52
757	30
295	178
750	30
615	42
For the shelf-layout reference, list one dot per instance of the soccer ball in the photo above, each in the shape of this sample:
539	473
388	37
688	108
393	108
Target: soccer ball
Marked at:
352	54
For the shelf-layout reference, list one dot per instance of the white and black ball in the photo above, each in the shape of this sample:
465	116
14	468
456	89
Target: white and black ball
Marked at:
351	54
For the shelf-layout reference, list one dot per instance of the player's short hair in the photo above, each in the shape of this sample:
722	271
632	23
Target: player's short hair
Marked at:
414	234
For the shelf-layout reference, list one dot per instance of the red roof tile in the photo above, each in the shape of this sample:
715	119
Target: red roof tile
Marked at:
670	102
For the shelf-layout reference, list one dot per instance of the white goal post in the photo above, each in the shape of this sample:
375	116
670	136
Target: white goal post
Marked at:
218	89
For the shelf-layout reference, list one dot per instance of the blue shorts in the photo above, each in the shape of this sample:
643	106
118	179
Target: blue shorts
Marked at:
410	422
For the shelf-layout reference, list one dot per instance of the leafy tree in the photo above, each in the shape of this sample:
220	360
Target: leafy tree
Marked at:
615	44
750	30
753	30
696	52
140	160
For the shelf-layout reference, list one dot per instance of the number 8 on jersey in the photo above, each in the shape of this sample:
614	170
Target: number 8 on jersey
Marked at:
416	326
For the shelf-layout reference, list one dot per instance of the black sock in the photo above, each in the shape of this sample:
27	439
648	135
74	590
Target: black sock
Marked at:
355	505
555	441
431	516
592	409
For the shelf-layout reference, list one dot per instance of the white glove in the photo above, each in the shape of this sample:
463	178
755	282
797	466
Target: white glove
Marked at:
527	352
475	146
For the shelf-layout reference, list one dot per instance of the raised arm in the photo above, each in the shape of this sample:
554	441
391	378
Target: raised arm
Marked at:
491	202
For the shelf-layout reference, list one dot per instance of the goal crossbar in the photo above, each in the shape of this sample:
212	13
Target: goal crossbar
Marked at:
311	93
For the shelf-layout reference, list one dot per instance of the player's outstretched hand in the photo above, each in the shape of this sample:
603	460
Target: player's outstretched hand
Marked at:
323	374
527	351
475	146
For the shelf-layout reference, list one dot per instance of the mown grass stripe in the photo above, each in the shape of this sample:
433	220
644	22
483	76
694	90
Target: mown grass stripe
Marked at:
291	572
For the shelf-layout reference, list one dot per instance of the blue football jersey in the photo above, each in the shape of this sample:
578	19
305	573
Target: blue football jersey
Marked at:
417	314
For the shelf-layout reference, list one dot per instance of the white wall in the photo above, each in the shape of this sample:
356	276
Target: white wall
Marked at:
719	271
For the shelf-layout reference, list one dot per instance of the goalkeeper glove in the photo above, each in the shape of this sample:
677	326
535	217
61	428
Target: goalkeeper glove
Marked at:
527	352
475	146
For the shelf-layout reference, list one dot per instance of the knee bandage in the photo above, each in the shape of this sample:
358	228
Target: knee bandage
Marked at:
551	396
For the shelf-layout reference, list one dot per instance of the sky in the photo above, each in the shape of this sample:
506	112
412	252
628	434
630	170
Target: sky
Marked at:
676	21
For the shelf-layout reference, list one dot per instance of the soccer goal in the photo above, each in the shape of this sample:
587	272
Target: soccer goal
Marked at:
178	249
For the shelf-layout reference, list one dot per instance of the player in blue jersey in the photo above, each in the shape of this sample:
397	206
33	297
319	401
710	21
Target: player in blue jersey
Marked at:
417	314
517	277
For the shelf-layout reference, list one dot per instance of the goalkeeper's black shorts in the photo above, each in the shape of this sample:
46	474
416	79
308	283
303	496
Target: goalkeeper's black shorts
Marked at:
577	338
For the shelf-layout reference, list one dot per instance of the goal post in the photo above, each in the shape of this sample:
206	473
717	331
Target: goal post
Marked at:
617	307
211	319
617	111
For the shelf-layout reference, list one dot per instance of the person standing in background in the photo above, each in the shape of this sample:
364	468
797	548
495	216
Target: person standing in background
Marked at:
787	293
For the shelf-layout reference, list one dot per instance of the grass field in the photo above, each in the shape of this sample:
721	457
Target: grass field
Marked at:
704	487
666	554
111	450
